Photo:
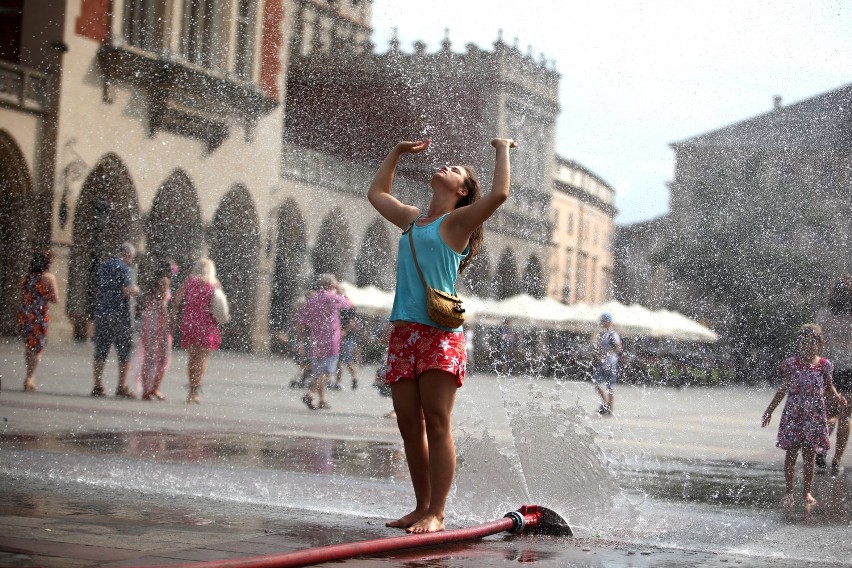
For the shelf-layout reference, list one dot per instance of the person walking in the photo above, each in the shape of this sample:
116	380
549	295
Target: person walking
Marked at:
114	318
155	348
349	350
426	361
38	291
836	323
199	332
607	350
806	380
320	315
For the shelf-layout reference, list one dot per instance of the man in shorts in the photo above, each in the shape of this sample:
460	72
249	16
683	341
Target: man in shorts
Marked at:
114	318
607	350
321	315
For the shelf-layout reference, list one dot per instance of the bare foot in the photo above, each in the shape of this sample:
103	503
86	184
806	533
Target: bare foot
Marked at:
789	500
29	386
428	524
809	499
406	521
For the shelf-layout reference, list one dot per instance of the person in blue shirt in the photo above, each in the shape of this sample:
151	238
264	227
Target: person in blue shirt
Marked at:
114	318
607	350
426	362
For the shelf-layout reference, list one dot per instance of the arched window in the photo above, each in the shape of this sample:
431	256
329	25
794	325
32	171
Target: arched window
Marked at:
533	282
375	257
235	249
333	246
287	276
506	276
18	227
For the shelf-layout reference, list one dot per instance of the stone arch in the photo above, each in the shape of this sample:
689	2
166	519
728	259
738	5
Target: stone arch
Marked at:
533	282
333	246
375	257
106	215
506	275
287	277
17	228
477	277
235	249
174	229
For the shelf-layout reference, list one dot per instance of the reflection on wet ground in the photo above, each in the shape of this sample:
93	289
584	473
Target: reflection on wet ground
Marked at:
289	454
710	483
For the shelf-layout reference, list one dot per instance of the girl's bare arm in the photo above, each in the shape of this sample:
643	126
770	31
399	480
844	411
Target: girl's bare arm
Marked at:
463	221
776	400
379	193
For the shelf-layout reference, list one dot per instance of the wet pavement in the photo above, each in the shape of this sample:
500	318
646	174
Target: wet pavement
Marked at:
107	482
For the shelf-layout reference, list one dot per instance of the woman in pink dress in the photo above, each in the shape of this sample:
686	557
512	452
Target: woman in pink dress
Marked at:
199	331
156	345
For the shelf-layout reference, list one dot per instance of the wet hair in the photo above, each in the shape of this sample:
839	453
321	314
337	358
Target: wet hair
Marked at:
810	331
162	270
840	297
204	269
41	262
474	192
126	249
326	281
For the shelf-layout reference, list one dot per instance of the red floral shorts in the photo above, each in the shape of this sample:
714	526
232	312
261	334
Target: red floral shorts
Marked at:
416	348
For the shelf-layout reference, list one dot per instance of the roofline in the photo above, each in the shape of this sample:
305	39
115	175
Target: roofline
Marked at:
785	108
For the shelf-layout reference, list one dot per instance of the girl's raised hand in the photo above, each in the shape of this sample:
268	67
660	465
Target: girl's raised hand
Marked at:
413	147
505	142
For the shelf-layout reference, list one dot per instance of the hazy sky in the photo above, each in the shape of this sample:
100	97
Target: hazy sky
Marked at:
638	75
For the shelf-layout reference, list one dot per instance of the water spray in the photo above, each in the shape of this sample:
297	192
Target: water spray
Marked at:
529	519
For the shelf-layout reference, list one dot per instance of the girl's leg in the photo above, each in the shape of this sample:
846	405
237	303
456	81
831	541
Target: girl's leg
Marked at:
196	367
808	460
790	474
412	427
32	358
437	397
842	438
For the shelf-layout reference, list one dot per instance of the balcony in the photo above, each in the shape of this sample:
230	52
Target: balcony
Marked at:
184	99
24	88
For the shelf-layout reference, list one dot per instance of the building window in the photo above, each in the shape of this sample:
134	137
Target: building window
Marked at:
198	25
244	56
143	24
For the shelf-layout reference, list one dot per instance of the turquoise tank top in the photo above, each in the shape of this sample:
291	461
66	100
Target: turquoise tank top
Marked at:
440	266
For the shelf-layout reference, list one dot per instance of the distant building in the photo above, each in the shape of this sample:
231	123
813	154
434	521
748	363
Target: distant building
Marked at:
582	212
636	279
773	193
249	131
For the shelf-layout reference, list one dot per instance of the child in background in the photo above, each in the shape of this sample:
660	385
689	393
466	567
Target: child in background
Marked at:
806	379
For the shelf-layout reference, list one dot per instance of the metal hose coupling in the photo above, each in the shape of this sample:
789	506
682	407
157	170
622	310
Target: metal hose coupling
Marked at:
518	522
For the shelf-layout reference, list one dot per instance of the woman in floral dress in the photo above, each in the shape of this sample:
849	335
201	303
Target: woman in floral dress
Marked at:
38	289
806	381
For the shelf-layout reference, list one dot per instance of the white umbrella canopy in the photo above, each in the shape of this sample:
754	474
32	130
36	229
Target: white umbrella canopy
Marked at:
369	300
526	309
630	320
678	326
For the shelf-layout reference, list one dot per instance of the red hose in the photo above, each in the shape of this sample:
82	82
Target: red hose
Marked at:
353	549
528	516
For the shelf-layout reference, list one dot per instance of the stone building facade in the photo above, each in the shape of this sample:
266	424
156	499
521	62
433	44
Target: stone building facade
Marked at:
580	264
763	207
249	130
